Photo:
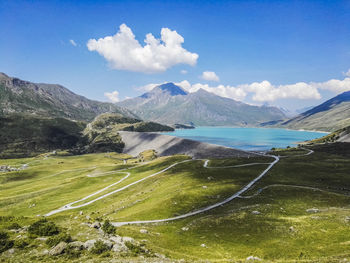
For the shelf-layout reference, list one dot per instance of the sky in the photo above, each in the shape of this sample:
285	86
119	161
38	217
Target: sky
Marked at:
292	54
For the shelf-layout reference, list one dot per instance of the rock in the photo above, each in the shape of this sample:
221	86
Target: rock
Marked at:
143	231
75	217
116	239
78	245
81	213
312	210
256	212
252	258
88	217
96	225
59	249
41	238
203	245
45	252
204	187
89	244
291	229
119	247
184	228
129	239
347	219
210	178
159	255
11	251
107	242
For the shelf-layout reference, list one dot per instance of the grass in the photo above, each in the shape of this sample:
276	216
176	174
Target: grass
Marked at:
282	231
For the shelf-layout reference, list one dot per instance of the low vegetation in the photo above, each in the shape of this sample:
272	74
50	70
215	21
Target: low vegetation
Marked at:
298	212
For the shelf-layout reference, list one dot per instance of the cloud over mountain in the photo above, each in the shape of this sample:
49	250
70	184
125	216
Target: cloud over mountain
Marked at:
112	96
264	91
124	52
210	76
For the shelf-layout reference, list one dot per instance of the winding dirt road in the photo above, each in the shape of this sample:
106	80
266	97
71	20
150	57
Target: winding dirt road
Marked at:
201	210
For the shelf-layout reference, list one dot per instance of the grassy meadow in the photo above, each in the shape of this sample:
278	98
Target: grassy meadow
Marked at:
298	212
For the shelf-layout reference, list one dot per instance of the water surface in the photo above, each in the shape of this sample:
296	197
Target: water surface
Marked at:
251	139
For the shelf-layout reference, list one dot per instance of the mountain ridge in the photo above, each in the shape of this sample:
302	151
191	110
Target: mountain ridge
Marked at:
200	107
50	100
331	115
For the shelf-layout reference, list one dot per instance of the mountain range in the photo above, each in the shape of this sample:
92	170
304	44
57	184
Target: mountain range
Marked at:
169	103
331	115
50	100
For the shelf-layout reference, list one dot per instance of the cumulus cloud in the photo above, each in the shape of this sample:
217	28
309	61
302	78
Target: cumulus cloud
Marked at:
265	91
347	74
124	52
112	96
72	42
335	85
210	76
231	92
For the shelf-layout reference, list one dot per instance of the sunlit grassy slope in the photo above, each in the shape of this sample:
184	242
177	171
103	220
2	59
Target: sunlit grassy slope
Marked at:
271	221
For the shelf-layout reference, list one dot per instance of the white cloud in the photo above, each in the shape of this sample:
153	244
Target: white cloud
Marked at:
347	74
148	87
72	42
184	71
265	91
210	76
231	92
124	52
112	96
335	85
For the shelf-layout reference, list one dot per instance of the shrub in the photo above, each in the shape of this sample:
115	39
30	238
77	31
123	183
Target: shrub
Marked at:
20	243
99	247
54	240
71	252
14	225
134	249
5	243
108	228
4	235
43	228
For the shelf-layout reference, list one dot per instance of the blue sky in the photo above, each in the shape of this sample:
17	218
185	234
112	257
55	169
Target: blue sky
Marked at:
244	42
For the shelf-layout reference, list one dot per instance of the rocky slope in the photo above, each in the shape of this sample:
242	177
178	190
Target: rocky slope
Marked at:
169	145
331	115
49	100
170	104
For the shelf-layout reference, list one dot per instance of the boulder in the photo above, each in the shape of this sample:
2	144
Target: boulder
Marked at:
59	249
129	239
119	247
96	225
107	242
256	213
89	244
252	258
143	231
312	210
77	245
184	228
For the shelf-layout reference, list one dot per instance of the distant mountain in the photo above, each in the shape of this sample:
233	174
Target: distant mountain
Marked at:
170	104
49	100
331	115
302	110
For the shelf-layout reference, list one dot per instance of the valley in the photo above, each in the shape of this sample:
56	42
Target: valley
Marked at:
290	205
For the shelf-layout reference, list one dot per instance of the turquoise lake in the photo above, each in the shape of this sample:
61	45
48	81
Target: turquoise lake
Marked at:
251	139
